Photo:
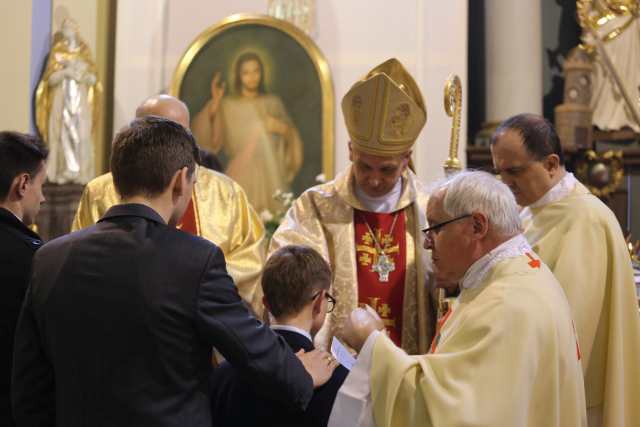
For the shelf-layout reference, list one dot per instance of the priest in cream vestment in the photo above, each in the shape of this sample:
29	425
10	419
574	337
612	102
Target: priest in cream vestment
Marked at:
219	210
580	240
367	221
505	354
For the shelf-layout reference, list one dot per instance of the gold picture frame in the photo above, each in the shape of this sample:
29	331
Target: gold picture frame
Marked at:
296	87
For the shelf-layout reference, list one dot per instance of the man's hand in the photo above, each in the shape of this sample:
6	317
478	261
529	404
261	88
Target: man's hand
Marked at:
319	364
360	324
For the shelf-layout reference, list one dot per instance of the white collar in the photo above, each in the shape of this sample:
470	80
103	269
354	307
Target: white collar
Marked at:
382	204
293	329
559	191
513	247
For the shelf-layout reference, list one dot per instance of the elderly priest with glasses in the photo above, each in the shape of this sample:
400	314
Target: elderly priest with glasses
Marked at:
505	354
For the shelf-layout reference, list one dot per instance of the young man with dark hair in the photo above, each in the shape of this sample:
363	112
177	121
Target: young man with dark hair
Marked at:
120	318
22	173
296	282
219	210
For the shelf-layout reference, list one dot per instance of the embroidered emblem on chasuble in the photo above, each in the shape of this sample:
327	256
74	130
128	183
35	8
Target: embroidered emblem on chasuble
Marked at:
384	296
189	221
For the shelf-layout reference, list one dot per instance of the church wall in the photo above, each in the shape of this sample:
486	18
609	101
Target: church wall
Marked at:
429	38
15	49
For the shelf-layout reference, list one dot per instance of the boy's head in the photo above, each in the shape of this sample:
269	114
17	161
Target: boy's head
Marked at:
297	279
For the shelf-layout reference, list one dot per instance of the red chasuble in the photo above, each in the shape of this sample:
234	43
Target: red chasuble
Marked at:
385	296
189	221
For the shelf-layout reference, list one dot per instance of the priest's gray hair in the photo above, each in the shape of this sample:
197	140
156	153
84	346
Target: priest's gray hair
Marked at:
474	191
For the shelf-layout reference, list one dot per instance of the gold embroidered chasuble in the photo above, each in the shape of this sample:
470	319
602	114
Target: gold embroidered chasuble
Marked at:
323	218
580	240
223	215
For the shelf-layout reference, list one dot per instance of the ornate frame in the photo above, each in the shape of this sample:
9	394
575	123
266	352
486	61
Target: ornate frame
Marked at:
611	160
307	44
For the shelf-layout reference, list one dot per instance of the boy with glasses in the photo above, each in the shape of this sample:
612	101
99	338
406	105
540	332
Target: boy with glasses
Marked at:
296	282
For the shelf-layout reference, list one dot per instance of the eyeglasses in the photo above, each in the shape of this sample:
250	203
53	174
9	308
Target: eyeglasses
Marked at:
435	228
331	301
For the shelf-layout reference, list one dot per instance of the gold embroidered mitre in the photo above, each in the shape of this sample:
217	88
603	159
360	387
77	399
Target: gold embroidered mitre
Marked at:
384	111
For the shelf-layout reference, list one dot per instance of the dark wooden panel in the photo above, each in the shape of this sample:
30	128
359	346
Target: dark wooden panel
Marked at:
56	214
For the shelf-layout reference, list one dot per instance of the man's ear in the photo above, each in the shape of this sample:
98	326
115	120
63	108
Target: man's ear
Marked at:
480	224
552	164
406	158
317	303
19	185
179	183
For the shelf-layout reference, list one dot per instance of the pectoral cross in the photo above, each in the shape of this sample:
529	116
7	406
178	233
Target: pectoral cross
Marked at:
383	267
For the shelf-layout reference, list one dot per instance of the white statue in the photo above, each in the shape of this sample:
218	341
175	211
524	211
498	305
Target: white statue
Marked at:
66	114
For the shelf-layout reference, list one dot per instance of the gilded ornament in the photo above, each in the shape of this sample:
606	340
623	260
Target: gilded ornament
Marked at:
602	173
453	108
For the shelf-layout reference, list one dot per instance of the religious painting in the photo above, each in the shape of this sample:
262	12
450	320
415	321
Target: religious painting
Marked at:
260	97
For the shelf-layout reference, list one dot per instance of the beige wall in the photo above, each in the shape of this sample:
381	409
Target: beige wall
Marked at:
15	51
429	37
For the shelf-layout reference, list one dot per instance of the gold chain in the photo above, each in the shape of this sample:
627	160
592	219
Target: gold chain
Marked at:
373	235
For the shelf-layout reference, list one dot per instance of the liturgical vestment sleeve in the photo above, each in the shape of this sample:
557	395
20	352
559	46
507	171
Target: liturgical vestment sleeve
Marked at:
228	219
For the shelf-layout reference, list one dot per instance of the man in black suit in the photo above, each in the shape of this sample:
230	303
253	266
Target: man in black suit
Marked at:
22	173
296	282
120	318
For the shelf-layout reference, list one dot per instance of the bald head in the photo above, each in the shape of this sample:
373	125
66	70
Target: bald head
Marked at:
165	106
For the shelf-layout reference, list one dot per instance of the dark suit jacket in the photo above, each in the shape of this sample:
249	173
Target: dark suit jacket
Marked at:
235	402
118	325
17	246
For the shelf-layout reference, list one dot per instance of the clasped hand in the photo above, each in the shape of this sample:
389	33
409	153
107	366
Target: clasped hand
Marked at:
360	324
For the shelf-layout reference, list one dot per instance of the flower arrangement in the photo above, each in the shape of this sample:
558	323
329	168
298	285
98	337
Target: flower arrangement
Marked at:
272	220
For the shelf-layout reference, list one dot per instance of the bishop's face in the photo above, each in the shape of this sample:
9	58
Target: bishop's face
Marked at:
450	244
377	175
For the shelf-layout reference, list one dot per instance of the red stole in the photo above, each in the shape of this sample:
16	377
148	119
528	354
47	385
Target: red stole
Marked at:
189	221
384	297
